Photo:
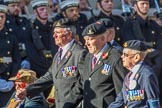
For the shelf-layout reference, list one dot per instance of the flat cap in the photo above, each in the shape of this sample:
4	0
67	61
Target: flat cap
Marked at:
94	29
135	45
107	22
25	75
11	1
3	8
38	3
69	3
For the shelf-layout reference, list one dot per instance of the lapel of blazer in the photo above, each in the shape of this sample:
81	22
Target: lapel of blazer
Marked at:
100	62
55	65
65	58
89	61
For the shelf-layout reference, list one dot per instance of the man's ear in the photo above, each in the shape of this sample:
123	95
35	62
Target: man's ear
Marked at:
70	35
137	58
34	12
64	14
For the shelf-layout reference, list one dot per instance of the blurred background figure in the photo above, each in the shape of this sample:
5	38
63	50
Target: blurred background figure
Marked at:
106	7
9	58
83	5
23	6
53	6
40	41
70	10
19	27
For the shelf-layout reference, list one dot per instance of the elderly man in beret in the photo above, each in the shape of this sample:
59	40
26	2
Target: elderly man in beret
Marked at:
63	73
102	78
140	87
23	79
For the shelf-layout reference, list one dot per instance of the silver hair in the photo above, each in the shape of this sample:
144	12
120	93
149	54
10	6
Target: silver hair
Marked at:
142	53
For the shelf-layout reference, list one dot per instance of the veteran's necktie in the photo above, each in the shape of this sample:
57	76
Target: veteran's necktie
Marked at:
128	79
94	59
59	55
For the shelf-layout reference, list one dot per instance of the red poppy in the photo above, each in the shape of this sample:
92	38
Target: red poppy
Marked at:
18	75
104	55
51	100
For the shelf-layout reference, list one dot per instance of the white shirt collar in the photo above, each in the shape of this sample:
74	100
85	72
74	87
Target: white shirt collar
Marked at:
66	48
111	42
101	52
135	70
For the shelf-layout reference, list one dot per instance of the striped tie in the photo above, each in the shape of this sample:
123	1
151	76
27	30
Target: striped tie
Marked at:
94	59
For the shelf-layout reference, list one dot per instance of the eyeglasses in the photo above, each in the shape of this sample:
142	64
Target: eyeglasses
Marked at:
129	55
20	85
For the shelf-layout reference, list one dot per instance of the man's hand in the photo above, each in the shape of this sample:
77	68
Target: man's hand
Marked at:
14	103
21	94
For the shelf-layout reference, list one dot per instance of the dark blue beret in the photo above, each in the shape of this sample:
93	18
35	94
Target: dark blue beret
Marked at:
135	45
94	29
107	22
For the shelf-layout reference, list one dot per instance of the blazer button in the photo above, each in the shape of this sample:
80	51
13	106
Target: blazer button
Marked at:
89	79
8	73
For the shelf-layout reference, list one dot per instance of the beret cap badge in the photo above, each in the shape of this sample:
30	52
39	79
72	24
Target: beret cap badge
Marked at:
125	44
90	32
58	24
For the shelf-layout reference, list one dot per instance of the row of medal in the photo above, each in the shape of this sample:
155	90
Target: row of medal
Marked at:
134	95
106	69
68	71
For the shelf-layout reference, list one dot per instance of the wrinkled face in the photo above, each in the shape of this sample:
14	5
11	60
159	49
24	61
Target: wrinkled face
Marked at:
14	9
2	19
20	85
72	13
128	58
94	44
142	7
61	36
41	12
107	5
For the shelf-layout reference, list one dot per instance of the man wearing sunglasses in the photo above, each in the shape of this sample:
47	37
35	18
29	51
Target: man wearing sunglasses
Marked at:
23	78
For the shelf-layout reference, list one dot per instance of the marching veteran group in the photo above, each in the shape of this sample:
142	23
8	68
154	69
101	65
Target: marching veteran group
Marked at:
94	73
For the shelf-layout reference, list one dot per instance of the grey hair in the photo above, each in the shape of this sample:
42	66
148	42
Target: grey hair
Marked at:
142	53
71	29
